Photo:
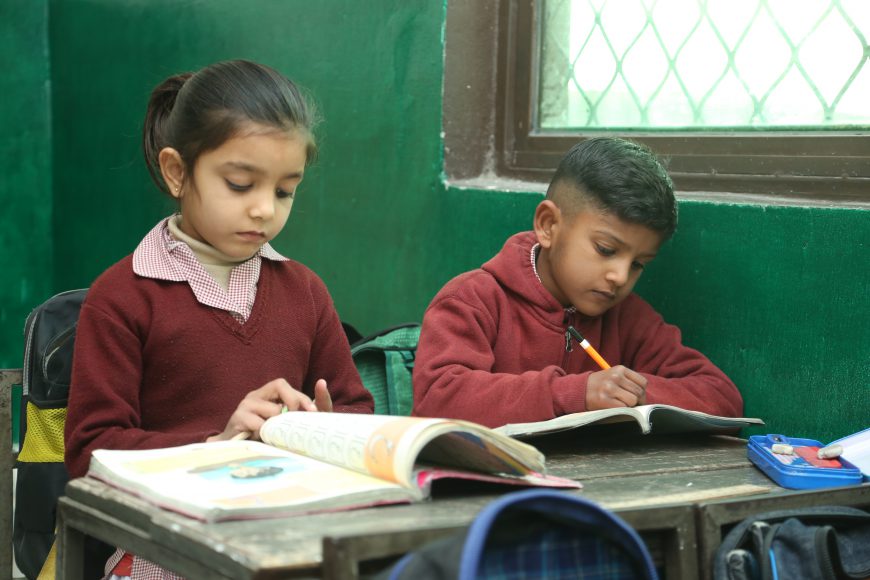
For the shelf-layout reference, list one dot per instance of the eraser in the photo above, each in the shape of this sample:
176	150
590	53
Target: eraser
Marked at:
830	451
811	455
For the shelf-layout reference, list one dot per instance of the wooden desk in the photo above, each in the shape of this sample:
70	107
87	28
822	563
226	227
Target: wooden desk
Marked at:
654	483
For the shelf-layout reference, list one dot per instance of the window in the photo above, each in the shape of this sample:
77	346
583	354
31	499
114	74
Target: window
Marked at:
739	96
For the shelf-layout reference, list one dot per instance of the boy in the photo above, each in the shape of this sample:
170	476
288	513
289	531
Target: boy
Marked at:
492	347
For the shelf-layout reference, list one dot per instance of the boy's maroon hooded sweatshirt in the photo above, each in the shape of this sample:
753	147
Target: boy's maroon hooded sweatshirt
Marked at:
492	350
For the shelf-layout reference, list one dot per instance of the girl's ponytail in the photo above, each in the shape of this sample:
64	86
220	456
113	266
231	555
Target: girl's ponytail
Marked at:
156	130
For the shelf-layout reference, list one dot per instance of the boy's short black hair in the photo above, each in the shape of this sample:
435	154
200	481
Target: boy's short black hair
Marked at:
617	176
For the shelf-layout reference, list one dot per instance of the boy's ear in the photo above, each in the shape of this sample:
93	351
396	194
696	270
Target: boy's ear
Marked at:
172	169
548	217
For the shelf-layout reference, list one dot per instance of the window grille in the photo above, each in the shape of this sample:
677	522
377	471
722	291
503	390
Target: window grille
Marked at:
704	64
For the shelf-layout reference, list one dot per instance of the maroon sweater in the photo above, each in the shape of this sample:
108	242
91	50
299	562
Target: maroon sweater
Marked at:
155	368
492	350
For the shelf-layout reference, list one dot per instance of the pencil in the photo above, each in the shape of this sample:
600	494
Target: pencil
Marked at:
590	350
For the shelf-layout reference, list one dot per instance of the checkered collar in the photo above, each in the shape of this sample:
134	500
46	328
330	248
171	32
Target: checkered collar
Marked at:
162	257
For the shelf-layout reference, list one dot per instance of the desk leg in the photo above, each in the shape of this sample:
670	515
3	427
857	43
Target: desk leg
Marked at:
70	549
681	556
8	377
339	560
670	535
343	555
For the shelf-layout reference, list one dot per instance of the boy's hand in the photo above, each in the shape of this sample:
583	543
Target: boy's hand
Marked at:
616	387
268	401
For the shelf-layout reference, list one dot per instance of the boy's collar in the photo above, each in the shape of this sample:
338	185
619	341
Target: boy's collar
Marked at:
533	256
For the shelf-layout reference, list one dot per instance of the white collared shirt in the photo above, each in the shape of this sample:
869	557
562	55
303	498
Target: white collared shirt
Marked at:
160	256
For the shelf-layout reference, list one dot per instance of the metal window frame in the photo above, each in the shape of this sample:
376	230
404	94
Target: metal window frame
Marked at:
802	165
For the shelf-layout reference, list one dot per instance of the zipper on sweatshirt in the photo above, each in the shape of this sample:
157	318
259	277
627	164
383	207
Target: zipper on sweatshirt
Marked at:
569	347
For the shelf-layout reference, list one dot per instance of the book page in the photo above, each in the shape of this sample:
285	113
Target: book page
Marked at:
572	421
856	450
651	418
365	443
239	479
389	447
464	445
670	419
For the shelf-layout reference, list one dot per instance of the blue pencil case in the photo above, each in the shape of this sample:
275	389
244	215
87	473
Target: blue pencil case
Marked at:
797	471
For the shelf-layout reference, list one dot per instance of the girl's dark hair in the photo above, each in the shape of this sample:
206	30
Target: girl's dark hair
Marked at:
618	176
197	112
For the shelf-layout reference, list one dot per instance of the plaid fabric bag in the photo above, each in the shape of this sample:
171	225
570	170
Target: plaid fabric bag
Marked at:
533	534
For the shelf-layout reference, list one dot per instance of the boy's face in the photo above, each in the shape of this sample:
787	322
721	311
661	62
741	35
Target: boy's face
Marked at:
593	259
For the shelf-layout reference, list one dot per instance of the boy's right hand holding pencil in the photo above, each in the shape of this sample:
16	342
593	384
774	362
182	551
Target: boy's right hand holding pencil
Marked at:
610	387
617	386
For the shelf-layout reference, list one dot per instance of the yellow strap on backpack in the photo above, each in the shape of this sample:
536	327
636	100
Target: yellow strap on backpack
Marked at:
49	567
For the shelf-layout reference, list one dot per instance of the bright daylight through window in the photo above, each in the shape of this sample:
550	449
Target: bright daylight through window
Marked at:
708	65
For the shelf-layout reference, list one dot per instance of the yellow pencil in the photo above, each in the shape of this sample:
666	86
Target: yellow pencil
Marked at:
590	350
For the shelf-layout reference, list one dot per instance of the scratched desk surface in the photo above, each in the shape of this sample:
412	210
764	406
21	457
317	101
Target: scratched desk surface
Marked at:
619	471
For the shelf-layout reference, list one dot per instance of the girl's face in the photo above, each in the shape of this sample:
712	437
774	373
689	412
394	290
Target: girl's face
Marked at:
240	194
593	259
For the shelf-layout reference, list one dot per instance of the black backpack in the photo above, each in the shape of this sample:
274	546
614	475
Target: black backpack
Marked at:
536	533
814	543
48	350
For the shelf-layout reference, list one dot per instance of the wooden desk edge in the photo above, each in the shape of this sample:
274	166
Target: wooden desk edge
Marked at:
76	520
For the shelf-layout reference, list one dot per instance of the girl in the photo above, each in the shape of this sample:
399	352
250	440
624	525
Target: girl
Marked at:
205	330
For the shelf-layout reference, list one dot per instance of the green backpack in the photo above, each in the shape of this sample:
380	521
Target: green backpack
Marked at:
385	361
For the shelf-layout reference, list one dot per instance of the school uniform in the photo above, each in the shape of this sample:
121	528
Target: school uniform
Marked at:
170	341
492	350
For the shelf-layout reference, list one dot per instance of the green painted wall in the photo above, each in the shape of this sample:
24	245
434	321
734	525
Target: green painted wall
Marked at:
25	169
775	295
374	68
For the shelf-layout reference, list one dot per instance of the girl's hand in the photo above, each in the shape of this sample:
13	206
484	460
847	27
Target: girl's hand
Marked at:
269	400
322	400
616	387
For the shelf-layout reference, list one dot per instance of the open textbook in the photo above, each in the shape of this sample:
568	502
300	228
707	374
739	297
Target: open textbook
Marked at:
856	450
311	462
650	418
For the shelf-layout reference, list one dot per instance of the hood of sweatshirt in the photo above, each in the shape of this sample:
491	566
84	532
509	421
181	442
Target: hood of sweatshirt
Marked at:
512	268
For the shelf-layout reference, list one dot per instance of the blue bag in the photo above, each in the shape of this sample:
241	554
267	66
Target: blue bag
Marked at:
537	533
